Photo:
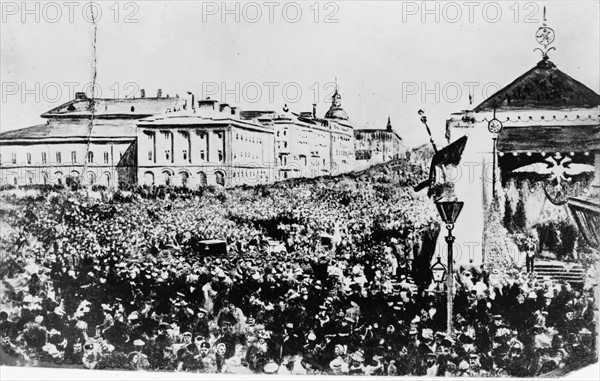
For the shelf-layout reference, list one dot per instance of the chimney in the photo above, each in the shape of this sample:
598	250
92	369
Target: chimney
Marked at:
142	93
314	111
80	95
159	93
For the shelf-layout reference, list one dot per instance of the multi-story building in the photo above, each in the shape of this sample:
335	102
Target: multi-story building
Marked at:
208	143
374	146
308	146
81	139
181	142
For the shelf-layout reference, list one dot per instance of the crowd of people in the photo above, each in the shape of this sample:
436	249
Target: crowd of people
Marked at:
316	280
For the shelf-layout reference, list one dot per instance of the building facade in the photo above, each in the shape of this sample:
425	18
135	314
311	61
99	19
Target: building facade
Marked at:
184	142
309	146
375	146
542	129
207	144
81	139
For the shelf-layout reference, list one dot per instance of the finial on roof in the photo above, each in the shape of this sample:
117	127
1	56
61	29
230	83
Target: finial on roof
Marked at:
389	124
545	37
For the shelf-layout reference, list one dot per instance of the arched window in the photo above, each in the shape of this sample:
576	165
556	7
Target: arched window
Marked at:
45	178
107	179
220	178
90	157
148	178
185	177
58	176
168	177
91	177
202	179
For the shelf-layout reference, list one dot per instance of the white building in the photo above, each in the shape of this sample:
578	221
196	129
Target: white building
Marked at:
207	144
80	139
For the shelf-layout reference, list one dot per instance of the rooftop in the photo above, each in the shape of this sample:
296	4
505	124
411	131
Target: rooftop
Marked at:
106	108
542	87
72	129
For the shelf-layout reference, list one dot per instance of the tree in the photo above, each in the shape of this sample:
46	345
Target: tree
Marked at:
520	218
508	215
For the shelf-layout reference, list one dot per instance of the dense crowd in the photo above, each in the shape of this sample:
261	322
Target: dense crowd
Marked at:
122	285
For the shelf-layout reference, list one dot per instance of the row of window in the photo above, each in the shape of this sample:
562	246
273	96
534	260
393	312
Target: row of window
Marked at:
58	157
184	155
57	178
250	139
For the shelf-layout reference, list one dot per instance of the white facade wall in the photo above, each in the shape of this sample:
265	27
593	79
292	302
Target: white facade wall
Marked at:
50	163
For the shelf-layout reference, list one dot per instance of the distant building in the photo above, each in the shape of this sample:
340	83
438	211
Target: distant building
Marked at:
211	144
374	146
81	139
184	142
308	146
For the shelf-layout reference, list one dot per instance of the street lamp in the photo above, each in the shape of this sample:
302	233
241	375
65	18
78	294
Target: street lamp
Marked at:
449	211
438	271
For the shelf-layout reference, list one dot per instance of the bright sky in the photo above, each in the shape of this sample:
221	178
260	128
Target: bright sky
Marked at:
389	57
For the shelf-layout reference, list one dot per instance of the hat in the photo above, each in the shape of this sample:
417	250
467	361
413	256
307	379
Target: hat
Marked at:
466	339
427	333
464	366
138	343
88	346
205	345
447	342
271	367
187	333
358	356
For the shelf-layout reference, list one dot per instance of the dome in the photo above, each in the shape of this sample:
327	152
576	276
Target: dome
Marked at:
336	113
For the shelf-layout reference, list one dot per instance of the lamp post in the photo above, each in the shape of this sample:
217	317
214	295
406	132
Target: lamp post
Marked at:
438	271
449	211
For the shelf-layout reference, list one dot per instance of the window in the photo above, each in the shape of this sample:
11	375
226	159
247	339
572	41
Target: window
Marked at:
220	178
185	154
105	157
73	156
90	157
150	157
168	154
28	158
202	154
14	158
58	158
44	159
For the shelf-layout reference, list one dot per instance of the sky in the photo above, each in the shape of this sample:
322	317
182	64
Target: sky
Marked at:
389	58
